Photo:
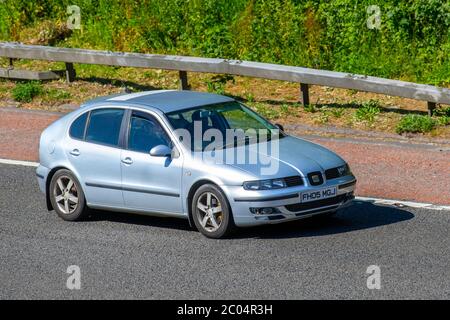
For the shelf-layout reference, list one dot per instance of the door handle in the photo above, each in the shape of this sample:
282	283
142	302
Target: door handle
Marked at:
75	152
127	160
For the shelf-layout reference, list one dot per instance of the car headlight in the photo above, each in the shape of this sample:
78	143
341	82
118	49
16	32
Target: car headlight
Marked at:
264	184
344	170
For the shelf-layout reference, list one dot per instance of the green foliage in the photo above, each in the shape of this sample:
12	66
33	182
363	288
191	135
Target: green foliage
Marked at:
309	108
266	111
284	110
444	120
442	111
368	111
413	42
26	91
217	83
250	97
332	111
56	94
443	115
337	113
415	124
323	117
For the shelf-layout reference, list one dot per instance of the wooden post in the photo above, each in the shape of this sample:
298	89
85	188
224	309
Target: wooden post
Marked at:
183	83
70	72
304	92
11	65
431	106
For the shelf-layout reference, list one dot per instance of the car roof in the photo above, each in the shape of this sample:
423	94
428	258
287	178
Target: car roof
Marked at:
164	100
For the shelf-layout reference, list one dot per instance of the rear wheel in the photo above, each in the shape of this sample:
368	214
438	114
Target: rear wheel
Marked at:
211	213
66	196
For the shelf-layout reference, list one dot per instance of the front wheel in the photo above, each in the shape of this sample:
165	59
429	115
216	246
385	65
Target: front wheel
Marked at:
211	213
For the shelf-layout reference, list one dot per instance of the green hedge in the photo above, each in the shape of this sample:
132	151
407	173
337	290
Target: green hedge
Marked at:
413	42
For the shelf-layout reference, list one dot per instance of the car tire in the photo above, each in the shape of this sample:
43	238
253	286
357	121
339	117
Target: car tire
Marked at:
211	212
67	196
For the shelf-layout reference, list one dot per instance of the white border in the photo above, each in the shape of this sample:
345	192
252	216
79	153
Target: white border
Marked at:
401	203
19	163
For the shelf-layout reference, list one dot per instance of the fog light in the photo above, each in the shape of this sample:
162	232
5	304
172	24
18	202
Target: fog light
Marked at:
267	210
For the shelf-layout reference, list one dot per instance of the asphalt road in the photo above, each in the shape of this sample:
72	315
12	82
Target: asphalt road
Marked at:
128	256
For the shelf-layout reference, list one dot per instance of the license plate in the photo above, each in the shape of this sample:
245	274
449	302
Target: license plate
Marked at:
318	194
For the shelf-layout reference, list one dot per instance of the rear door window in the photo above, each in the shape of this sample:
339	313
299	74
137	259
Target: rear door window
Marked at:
104	126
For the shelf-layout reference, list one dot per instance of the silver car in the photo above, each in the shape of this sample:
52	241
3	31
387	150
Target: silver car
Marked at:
182	154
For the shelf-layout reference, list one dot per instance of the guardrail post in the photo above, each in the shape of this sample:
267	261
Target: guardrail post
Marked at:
70	72
431	106
304	92
11	65
183	82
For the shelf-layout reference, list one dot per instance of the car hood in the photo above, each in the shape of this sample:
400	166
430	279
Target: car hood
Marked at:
294	156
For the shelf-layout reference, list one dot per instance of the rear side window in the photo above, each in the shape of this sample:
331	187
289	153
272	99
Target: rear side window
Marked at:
78	126
104	126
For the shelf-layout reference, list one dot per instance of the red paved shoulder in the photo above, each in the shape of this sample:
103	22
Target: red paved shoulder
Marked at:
402	172
20	131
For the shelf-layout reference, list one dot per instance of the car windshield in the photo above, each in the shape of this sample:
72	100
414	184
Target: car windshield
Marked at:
232	123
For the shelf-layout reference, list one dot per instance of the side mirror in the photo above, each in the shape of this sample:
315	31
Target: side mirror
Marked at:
161	151
279	126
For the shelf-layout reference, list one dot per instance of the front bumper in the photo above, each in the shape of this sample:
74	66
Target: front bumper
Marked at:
286	204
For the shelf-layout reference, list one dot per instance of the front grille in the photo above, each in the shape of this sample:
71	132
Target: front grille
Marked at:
293	181
315	178
332	173
319	203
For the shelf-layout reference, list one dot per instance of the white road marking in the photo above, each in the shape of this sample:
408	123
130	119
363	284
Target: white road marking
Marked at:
391	202
401	203
129	96
19	163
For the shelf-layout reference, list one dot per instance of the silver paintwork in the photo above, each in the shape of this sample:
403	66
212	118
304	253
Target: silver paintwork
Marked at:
124	180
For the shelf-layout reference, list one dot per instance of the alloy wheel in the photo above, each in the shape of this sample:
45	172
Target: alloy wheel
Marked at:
209	212
66	195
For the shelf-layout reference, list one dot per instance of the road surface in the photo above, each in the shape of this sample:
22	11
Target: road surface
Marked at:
129	256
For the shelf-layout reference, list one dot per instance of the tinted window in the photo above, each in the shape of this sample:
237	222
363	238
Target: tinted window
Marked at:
146	133
223	117
77	127
104	126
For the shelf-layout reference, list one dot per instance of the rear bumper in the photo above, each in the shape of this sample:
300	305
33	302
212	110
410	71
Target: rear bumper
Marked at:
287	206
41	174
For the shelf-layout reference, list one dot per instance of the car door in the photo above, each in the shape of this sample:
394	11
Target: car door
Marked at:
95	154
149	183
